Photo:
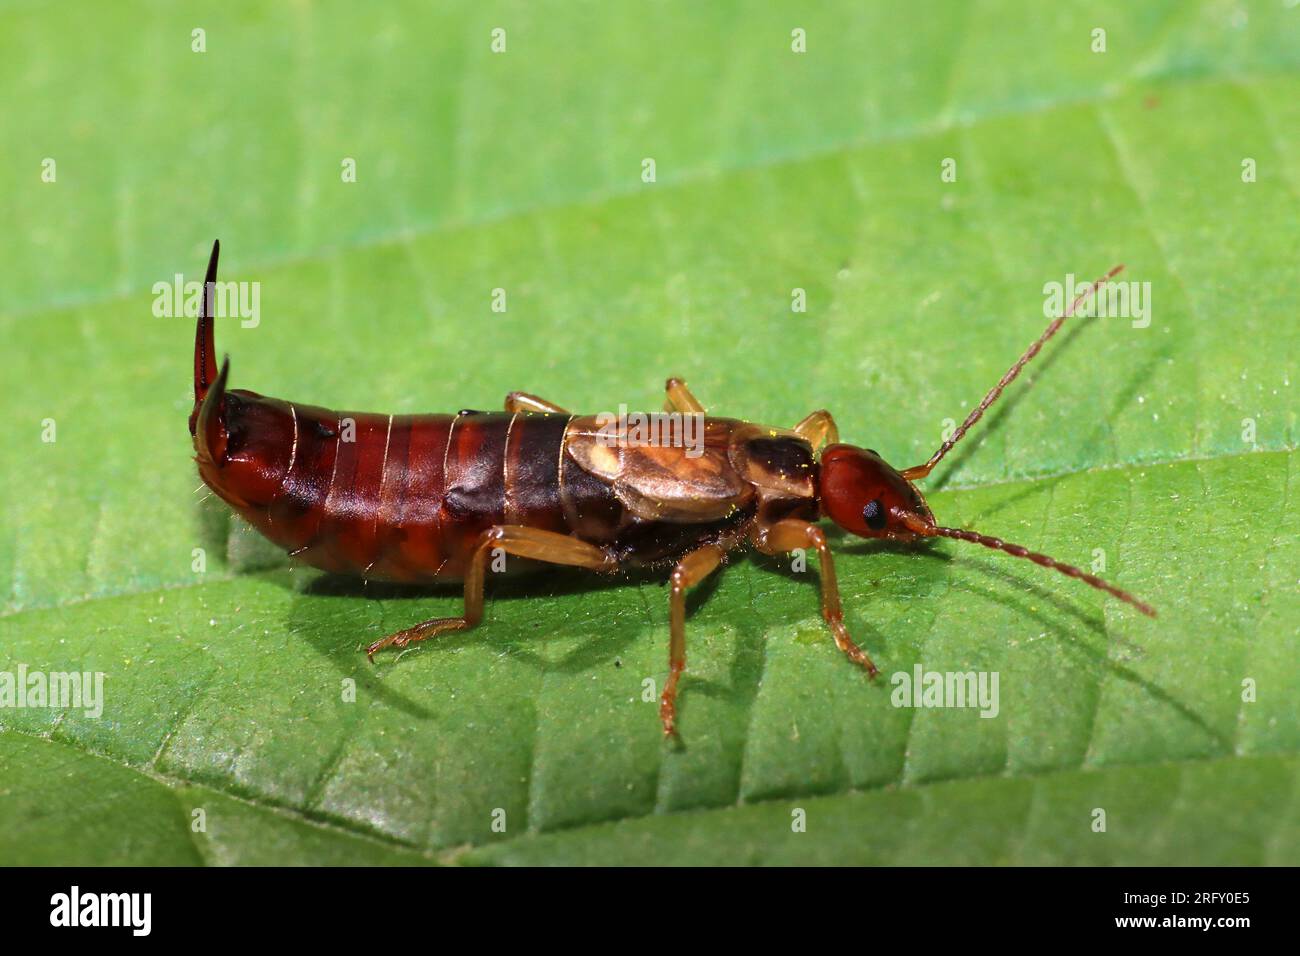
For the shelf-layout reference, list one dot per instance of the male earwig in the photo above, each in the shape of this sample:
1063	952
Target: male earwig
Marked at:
431	498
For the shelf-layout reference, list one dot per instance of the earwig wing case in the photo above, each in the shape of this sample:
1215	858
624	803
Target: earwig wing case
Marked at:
661	482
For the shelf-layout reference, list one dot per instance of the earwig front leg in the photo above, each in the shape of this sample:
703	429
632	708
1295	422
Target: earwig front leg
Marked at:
680	398
519	540
523	402
818	427
790	534
690	570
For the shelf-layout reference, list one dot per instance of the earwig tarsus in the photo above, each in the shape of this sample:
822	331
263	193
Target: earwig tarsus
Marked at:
430	498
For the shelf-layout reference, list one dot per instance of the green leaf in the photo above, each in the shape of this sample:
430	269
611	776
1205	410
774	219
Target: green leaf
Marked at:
1166	451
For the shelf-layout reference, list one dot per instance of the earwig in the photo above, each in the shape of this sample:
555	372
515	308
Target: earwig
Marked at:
432	498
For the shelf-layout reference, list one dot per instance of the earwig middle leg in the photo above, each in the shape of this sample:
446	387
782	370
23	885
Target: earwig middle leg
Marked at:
790	534
523	402
690	570
680	398
818	427
519	540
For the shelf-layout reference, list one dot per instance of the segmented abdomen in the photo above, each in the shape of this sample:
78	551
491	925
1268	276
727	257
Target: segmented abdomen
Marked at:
398	498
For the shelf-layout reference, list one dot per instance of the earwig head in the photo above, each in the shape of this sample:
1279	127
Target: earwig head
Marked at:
864	495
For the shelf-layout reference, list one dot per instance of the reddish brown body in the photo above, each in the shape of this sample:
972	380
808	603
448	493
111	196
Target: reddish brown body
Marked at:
428	498
409	497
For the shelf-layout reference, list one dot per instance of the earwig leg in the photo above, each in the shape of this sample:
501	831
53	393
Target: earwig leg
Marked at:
680	398
523	402
521	541
817	428
790	534
690	570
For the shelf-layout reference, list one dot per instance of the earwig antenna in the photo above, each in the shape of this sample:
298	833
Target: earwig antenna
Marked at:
920	471
1069	570
205	356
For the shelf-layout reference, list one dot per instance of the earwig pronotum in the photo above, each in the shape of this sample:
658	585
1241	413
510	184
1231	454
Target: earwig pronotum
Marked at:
430	498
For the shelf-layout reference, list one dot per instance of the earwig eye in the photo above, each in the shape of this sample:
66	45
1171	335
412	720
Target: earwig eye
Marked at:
874	514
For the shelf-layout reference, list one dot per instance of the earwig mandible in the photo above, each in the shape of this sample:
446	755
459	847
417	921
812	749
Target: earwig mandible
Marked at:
430	498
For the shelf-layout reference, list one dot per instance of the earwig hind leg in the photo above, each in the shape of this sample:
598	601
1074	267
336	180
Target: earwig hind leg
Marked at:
690	570
521	541
523	402
680	398
818	428
790	534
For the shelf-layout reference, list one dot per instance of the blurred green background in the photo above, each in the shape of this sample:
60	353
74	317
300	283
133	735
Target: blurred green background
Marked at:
1167	448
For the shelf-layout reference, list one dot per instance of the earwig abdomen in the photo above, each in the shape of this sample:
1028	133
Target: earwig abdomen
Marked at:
390	498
